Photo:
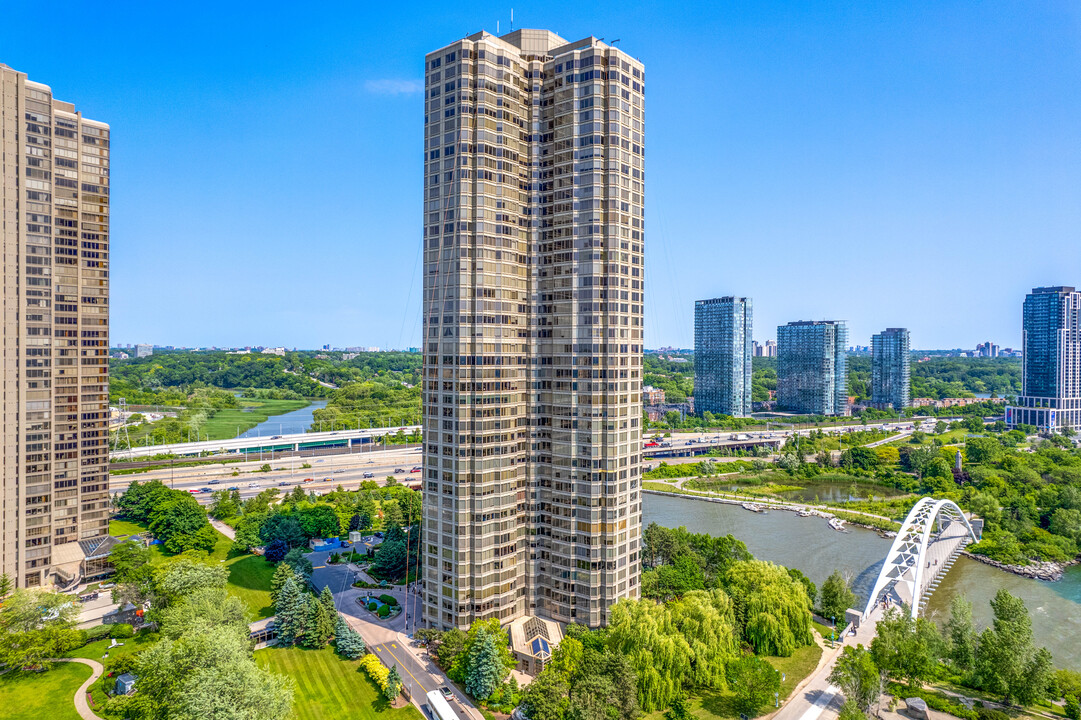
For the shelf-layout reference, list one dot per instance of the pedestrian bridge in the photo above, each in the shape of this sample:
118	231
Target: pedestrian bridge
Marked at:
930	539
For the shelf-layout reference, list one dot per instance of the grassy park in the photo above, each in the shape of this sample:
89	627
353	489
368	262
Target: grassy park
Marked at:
327	683
31	696
249	575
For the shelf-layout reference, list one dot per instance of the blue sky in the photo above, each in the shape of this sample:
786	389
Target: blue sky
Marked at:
910	164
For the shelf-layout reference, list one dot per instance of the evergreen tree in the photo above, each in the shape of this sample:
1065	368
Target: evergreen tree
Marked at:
326	598
281	574
354	523
348	641
289	612
484	669
394	683
320	625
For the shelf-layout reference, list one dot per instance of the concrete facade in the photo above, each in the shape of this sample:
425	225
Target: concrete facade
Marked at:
54	201
533	284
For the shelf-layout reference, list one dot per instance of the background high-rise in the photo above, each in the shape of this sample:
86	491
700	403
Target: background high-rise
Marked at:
891	369
812	367
722	356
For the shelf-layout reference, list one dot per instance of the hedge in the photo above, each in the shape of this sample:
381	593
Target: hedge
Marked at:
376	670
389	599
384	611
373	605
122	630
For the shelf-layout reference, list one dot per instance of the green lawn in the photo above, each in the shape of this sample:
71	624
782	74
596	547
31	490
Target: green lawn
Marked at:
329	687
50	694
249	575
714	705
119	528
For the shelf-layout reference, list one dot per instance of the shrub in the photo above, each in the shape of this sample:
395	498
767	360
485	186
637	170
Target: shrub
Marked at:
1072	708
122	630
376	670
384	611
372	605
389	599
986	713
97	633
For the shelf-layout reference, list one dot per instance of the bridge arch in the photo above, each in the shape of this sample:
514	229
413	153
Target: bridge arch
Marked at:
905	562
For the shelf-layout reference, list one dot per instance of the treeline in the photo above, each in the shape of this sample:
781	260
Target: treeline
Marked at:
173	516
380	402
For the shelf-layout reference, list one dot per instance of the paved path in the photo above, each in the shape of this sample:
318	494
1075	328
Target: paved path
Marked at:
223	528
81	705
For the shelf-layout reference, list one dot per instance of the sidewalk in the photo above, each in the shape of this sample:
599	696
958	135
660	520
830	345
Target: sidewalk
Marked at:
81	705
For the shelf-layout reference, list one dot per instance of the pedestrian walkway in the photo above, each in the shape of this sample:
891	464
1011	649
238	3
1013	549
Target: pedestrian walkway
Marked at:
223	528
81	704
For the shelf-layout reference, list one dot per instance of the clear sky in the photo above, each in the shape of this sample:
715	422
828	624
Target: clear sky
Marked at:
911	164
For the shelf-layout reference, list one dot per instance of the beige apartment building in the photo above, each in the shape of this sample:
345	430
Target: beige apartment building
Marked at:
54	207
533	294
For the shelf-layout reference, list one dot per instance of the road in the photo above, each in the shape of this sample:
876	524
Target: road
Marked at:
326	472
388	639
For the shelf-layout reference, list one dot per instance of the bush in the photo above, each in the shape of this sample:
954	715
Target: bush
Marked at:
389	599
376	670
373	605
384	611
987	713
97	633
1072	708
935	701
122	630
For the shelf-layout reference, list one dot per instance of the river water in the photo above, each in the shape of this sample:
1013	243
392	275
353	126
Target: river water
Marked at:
811	546
297	421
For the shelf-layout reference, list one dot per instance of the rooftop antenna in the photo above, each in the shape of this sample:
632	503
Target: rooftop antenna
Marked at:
512	19
496	27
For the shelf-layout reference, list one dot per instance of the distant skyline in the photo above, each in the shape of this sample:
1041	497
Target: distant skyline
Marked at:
892	165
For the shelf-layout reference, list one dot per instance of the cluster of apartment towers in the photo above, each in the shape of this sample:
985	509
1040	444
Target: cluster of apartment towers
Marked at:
812	367
533	335
812	362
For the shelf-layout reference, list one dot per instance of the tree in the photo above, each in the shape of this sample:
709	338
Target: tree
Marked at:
982	449
917	459
282	573
678	710
348	641
354	523
812	591
289	612
836	596
283	527
276	551
319	627
858	677
770	607
546	698
1007	661
326	599
906	649
390	560
319	521
859	458
5	585
392	513
208	607
450	647
185	576
484	669
36	625
394	683
301	565
1072	708
961	634
754	681
1066	522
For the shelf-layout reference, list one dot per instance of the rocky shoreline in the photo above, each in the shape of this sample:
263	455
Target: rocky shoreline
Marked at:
1036	570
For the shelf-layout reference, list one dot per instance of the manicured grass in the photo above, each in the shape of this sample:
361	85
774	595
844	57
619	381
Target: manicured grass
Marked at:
118	528
249	575
329	687
94	650
50	694
714	705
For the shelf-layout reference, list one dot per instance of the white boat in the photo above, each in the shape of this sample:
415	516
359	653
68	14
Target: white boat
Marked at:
752	507
804	513
837	524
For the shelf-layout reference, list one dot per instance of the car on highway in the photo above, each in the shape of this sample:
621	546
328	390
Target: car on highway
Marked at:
213	482
309	479
193	491
283	483
653	444
338	471
398	470
446	692
326	479
415	469
253	484
206	490
369	475
275	437
231	488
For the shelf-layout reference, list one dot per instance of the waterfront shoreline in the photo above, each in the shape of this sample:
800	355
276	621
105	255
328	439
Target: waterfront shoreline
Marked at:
1046	571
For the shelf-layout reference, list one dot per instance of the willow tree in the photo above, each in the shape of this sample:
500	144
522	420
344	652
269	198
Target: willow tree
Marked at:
706	620
643	631
771	608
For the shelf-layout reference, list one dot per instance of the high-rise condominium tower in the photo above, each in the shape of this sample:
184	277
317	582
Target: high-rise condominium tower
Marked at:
890	369
55	397
533	231
722	356
1051	364
812	367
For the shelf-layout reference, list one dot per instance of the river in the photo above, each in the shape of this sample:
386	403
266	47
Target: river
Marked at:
297	421
811	546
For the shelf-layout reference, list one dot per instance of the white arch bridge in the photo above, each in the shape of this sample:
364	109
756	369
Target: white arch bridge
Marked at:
928	543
